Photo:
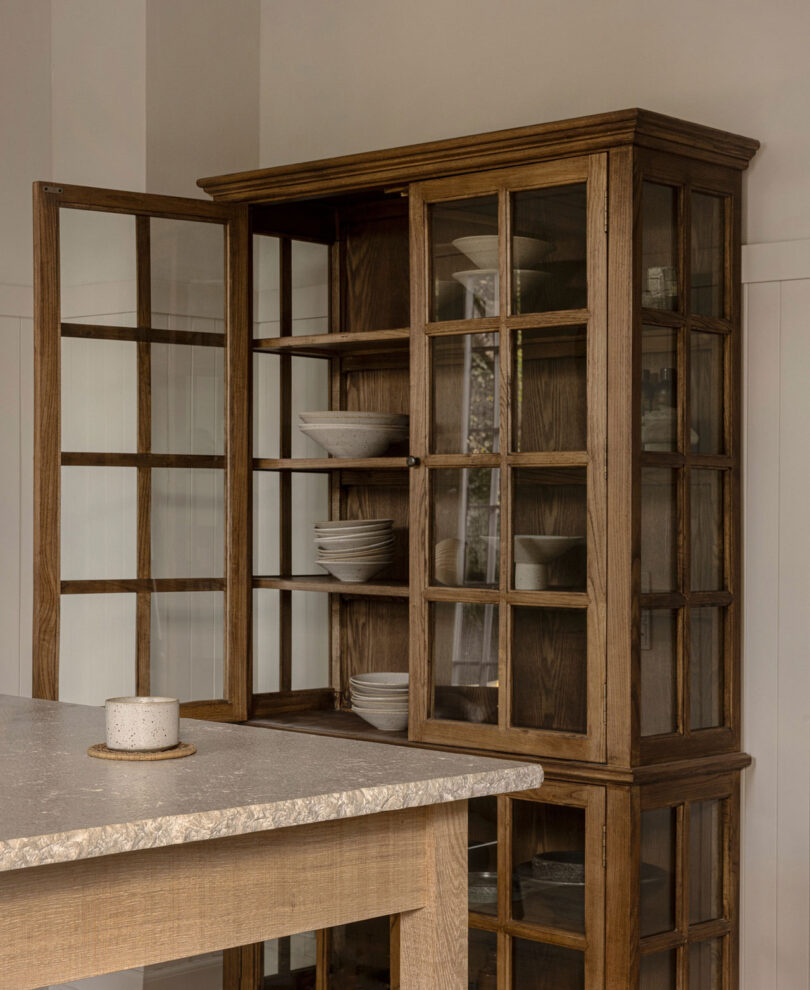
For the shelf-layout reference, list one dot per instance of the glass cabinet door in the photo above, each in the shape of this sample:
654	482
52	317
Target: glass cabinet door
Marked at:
510	312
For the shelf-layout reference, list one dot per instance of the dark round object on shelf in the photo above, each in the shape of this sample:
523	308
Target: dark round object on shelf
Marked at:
563	866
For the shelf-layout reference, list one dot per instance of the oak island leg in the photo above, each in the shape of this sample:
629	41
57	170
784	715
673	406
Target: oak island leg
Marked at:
433	940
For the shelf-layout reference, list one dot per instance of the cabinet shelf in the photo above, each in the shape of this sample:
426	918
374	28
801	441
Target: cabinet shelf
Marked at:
317	464
316	582
331	723
326	345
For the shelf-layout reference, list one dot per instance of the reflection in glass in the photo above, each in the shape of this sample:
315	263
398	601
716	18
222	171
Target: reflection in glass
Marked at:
657	880
549	389
658	971
266	286
550	521
659	389
659	530
464	259
265	619
97	268
464	661
310	288
549	249
706	965
548	856
538	966
188	534
290	963
99	395
708	254
706	650
706	392
360	956
465	517
659	652
707	530
705	860
465	394
483	960
186	652
482	855
98	523
659	246
549	669
96	648
188	399
188	275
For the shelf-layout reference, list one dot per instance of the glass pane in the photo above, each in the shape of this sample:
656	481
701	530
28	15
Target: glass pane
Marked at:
266	282
659	658
708	254
658	971
266	409
310	288
657	907
360	955
659	389
549	389
549	249
537	966
204	973
265	523
99	395
188	400
707	530
548	852
97	268
310	504
659	530
482	855
465	418
188	523
290	963
99	523
265	640
706	393
550	521
465	521
465	661
550	669
96	648
188	275
188	638
464	259
705	860
310	641
706	965
706	654
483	960
309	383
659	246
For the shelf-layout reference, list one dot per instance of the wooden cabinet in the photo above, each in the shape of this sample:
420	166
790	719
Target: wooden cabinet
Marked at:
557	310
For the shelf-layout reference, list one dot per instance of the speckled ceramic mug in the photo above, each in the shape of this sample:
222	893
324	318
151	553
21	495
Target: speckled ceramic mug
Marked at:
142	724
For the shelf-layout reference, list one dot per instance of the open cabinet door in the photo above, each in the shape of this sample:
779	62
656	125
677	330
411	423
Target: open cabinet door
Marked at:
141	449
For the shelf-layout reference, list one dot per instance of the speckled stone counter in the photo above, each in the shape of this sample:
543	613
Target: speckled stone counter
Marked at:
59	805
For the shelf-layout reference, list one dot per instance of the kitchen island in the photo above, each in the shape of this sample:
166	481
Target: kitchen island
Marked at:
109	865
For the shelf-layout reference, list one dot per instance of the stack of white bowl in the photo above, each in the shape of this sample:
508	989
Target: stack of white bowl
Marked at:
481	282
381	699
354	550
354	434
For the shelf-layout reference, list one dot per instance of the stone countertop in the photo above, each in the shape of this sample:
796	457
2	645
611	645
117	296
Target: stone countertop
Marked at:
57	804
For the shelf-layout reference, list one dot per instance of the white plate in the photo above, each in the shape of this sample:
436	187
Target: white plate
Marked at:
345	416
346	523
382	678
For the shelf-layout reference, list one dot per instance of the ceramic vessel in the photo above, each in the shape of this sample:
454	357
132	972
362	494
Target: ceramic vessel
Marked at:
354	440
354	572
533	554
142	724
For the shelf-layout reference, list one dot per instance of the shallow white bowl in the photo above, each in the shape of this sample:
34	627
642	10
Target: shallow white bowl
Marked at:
349	523
381	548
482	250
353	530
374	701
353	572
386	721
382	679
530	549
346	416
142	724
354	441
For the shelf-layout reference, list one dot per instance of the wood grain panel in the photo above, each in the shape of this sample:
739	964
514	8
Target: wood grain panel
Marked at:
377	284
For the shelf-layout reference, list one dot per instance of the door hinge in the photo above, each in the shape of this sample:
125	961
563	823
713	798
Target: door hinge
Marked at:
606	211
52	189
604	847
605	461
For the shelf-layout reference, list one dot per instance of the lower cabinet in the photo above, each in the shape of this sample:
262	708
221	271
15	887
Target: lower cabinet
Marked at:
575	886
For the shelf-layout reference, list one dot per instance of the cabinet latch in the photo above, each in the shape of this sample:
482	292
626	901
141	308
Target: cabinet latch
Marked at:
412	461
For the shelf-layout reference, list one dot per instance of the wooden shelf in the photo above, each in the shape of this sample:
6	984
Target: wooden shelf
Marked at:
317	464
330	723
324	583
327	345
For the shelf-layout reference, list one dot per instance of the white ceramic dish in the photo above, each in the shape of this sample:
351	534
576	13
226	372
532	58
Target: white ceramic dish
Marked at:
353	572
482	250
347	416
382	679
533	554
384	550
142	724
353	530
354	441
355	543
349	523
385	721
376	701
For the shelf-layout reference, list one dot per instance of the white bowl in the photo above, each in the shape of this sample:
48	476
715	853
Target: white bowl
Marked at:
530	549
142	724
350	572
386	721
482	250
380	528
350	523
388	679
354	441
342	416
374	701
326	549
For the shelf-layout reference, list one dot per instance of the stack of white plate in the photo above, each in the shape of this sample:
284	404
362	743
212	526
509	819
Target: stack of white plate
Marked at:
381	699
354	434
354	550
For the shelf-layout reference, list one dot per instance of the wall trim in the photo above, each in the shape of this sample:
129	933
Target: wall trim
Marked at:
781	261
